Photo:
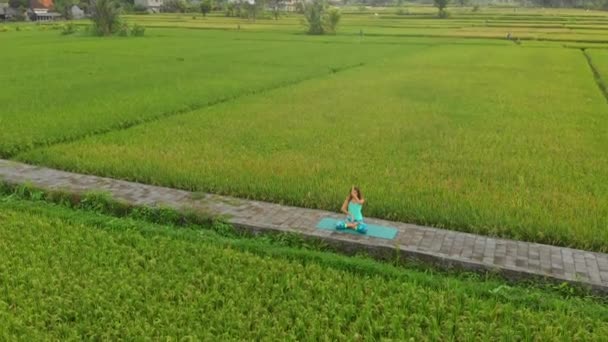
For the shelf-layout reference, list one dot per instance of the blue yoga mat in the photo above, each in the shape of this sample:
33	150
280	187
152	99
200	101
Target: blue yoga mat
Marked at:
372	229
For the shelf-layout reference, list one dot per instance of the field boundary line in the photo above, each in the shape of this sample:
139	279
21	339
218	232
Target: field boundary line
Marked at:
514	260
596	74
187	109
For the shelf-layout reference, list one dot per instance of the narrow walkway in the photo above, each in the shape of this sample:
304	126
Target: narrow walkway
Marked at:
513	259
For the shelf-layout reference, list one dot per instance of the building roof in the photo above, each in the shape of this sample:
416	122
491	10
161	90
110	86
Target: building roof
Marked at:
48	4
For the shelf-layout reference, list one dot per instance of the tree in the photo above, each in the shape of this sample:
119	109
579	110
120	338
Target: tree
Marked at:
313	13
441	5
18	3
106	16
332	20
320	18
206	6
252	8
275	7
65	7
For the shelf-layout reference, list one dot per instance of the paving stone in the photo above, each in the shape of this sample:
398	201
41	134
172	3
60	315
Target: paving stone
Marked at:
457	245
515	259
447	244
437	241
594	271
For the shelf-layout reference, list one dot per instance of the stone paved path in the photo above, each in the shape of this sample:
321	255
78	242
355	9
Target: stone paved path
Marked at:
514	259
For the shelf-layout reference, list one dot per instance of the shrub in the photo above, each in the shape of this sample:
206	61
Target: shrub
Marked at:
69	28
476	8
138	30
106	17
313	14
320	19
3	29
19	15
332	20
443	14
123	30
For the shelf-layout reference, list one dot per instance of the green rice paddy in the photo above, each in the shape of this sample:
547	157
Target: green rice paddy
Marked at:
441	122
86	86
112	278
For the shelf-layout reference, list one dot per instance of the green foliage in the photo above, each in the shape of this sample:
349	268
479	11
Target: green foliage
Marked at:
314	12
321	19
105	15
138	30
109	278
231	10
443	14
332	20
123	29
69	28
64	7
206	6
253	11
18	3
276	7
441	6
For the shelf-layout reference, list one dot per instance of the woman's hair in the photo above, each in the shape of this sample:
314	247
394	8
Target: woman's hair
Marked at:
359	194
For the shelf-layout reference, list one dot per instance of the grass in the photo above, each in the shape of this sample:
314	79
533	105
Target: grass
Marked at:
108	278
168	72
511	145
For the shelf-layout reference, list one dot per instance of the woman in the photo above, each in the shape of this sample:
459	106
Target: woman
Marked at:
352	207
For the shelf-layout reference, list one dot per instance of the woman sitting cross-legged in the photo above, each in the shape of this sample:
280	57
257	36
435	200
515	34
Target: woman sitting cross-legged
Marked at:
352	207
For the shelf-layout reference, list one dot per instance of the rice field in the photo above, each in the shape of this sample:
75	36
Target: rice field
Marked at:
504	146
441	122
64	88
419	21
116	278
